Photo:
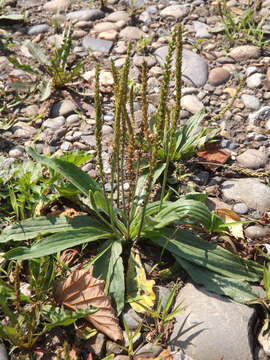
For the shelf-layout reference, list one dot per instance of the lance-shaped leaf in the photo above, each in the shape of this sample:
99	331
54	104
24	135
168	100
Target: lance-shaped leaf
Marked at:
186	245
80	291
43	225
75	175
138	287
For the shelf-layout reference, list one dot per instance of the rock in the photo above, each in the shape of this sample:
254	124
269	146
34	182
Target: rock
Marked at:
210	319
201	30
113	348
3	352
191	103
131	33
175	11
162	293
73	119
194	68
107	130
250	101
85	14
138	60
132	319
252	159
262	114
16	152
145	17
256	232
240	208
57	5
89	140
62	108
22	131
31	110
54	123
122	357
104	26
119	16
97	344
218	76
38	29
148	351
103	46
245	52
251	191
255	80
108	35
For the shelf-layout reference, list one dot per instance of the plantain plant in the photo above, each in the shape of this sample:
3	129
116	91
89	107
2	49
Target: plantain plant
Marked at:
118	220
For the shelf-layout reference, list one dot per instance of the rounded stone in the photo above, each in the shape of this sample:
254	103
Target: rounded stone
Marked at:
108	35
175	11
138	60
254	80
191	103
16	152
54	123
240	208
218	76
62	108
104	26
57	5
85	14
38	29
245	52
119	16
256	232
131	33
252	159
250	101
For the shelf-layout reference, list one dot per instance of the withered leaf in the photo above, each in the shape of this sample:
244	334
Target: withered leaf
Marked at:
213	154
80	291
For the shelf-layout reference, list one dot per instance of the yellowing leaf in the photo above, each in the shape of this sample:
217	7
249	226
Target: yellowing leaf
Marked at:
230	216
81	290
139	290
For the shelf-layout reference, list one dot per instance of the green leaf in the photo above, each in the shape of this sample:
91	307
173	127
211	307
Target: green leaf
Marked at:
12	17
184	244
17	64
110	268
38	53
238	290
31	228
58	242
64	317
75	175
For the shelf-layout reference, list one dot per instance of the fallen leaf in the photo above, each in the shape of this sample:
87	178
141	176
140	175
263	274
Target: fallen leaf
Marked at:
237	11
213	154
231	91
138	287
81	290
164	355
230	216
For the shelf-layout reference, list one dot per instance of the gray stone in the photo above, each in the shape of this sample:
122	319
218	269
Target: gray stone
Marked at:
145	17
28	3
3	352
100	45
240	208
252	159
73	119
85	14
31	110
97	344
256	232
175	11
38	29
122	357
23	131
251	191
16	152
54	123
148	351
113	348
212	327
132	319
57	5
89	140
104	26
250	101
62	108
245	52
262	114
131	33
138	60
191	103
65	146
194	68
254	80
201	30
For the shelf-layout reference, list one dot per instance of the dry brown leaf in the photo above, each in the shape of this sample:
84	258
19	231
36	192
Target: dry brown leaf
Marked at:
212	154
81	290
164	355
230	216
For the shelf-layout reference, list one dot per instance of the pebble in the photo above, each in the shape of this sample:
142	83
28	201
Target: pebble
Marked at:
245	52
201	30
218	76
256	232
73	119
251	191
57	5
38	29
100	45
251	101
254	80
194	67
132	319
175	11
85	14
148	351
119	16
252	159
63	108
262	114
210	316
16	152
138	60
240	208
131	33
3	352
191	103
54	123
104	26
97	344
108	35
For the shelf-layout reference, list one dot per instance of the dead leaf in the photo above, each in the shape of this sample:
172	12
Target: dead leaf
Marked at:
213	154
164	355
81	290
230	216
138	287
